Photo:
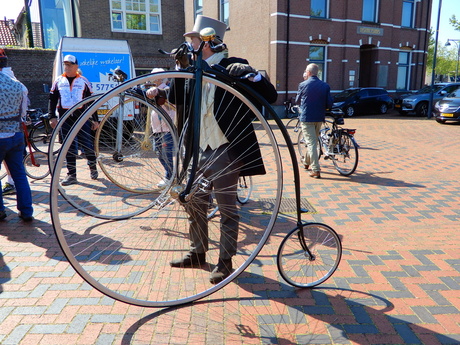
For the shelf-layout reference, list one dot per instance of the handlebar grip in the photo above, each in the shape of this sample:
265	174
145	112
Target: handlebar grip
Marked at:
223	70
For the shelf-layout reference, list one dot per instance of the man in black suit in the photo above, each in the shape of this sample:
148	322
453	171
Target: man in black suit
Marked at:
226	133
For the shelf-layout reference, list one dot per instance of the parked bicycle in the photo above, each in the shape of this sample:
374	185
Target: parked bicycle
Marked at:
293	126
291	108
128	257
35	162
336	144
41	132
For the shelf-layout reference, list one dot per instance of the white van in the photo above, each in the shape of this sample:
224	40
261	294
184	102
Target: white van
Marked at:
97	60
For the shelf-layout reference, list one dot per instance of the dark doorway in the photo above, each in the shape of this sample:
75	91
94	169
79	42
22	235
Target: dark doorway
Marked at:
367	66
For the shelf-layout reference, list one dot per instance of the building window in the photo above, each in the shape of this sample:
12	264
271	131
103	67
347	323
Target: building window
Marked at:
198	7
403	71
224	11
317	56
318	8
136	16
370	10
407	19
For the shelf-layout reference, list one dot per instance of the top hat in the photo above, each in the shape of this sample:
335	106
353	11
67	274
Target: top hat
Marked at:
202	22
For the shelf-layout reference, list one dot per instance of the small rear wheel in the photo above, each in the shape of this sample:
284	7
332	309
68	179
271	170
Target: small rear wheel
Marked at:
308	268
383	108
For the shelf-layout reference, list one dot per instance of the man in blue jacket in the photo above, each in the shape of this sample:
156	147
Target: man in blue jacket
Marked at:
314	97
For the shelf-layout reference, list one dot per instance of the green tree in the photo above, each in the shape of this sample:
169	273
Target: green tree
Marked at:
454	22
446	57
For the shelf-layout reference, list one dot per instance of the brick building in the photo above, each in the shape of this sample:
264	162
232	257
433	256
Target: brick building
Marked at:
356	42
146	29
158	26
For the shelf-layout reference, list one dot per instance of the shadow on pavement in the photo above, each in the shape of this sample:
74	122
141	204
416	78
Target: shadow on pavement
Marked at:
5	273
350	315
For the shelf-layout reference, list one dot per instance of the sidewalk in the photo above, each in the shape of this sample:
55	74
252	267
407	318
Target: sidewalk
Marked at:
398	282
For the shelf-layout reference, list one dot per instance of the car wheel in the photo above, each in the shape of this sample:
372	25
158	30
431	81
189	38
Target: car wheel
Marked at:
421	109
383	108
349	111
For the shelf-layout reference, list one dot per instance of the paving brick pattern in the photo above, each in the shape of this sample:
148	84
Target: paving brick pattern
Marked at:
398	281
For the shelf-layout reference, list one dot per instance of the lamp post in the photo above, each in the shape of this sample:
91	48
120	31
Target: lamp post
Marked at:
430	100
456	41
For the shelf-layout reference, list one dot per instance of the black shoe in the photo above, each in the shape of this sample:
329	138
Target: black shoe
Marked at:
70	179
94	173
189	260
25	218
221	271
2	214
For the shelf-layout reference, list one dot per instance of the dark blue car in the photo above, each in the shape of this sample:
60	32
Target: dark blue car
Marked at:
364	100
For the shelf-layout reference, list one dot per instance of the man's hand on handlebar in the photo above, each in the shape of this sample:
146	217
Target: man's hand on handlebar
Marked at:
239	69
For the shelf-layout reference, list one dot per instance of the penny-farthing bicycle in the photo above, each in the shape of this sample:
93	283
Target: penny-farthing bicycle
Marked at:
127	258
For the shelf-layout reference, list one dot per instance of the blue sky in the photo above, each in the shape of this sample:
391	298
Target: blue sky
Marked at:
447	10
10	9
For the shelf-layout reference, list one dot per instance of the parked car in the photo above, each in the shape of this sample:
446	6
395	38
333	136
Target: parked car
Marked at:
448	108
418	101
363	101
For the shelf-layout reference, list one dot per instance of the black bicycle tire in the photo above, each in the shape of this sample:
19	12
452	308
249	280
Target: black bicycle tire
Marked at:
35	138
30	168
356	152
291	264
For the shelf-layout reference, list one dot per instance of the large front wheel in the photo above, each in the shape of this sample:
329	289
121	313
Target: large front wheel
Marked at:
309	256
129	259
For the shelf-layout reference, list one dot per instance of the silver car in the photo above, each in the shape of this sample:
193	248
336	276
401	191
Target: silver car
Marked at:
418	102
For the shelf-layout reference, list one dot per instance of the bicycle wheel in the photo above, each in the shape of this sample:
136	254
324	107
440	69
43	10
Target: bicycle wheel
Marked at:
292	123
128	259
294	262
139	148
244	189
39	137
345	155
36	165
127	185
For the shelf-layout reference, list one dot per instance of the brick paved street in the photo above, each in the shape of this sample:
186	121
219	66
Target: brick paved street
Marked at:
398	283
